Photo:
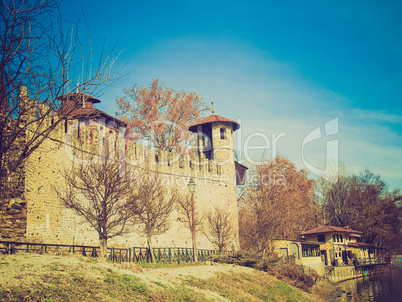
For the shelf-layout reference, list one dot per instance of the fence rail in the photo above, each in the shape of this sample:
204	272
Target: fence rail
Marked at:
359	268
171	254
372	261
134	254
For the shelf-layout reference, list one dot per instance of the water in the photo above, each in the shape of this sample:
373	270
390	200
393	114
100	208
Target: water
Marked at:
384	287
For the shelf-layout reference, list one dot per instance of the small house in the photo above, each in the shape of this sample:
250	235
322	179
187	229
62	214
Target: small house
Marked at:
339	245
304	253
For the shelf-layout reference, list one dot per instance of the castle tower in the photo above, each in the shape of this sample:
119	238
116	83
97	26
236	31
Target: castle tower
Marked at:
215	144
215	141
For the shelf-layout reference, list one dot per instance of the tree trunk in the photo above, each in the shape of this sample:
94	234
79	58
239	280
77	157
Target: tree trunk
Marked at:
150	249
103	247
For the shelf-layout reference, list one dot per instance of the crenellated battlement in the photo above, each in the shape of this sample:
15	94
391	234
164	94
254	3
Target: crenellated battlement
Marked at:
92	136
85	134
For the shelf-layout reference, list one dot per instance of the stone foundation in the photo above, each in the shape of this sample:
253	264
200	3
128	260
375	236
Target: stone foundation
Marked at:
13	219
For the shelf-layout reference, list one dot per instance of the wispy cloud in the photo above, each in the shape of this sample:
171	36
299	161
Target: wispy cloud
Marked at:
270	97
380	116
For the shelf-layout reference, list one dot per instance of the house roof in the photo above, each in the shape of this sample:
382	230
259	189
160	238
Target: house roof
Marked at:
94	113
84	105
360	244
213	118
240	165
331	229
298	241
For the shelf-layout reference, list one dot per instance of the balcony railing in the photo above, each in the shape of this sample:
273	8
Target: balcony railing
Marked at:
372	261
362	261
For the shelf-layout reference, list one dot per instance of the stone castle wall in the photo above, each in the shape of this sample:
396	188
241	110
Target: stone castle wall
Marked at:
48	222
13	219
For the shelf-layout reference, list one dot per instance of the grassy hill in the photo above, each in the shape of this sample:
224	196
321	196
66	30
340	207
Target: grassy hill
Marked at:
32	277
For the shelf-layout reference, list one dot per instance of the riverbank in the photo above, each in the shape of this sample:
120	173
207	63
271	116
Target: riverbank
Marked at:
32	277
381	286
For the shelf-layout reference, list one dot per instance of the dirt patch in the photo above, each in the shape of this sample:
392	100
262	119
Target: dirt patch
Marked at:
174	275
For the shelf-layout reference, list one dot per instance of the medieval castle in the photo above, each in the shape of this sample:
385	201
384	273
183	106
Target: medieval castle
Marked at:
36	215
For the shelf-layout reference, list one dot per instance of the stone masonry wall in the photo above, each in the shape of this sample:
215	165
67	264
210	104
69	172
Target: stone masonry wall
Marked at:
49	222
12	198
13	219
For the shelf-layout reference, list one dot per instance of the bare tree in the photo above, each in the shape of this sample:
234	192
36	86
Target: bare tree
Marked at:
152	207
40	60
259	221
364	203
190	217
220	228
101	192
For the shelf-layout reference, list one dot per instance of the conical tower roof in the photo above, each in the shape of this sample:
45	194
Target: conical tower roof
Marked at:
214	118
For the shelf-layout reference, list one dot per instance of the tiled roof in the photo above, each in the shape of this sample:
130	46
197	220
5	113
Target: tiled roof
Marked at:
77	99
362	244
212	119
330	229
93	113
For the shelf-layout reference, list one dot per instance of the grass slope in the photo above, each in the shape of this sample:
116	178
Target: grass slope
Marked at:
31	277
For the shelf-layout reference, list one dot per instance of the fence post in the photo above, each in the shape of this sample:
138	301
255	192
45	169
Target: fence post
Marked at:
94	254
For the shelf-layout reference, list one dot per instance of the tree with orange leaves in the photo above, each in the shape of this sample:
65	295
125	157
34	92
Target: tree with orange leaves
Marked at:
279	205
161	115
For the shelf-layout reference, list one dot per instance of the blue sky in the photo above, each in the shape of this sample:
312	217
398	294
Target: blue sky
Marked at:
277	67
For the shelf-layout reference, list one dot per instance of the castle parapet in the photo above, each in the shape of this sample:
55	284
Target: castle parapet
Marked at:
91	137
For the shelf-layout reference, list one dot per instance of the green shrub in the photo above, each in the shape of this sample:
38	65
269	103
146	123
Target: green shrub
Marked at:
294	274
282	268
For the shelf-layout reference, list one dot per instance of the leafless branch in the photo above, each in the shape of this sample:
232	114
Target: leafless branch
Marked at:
185	209
152	205
102	194
41	56
220	228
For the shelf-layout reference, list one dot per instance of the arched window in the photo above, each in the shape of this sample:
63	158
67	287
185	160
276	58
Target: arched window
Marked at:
294	250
